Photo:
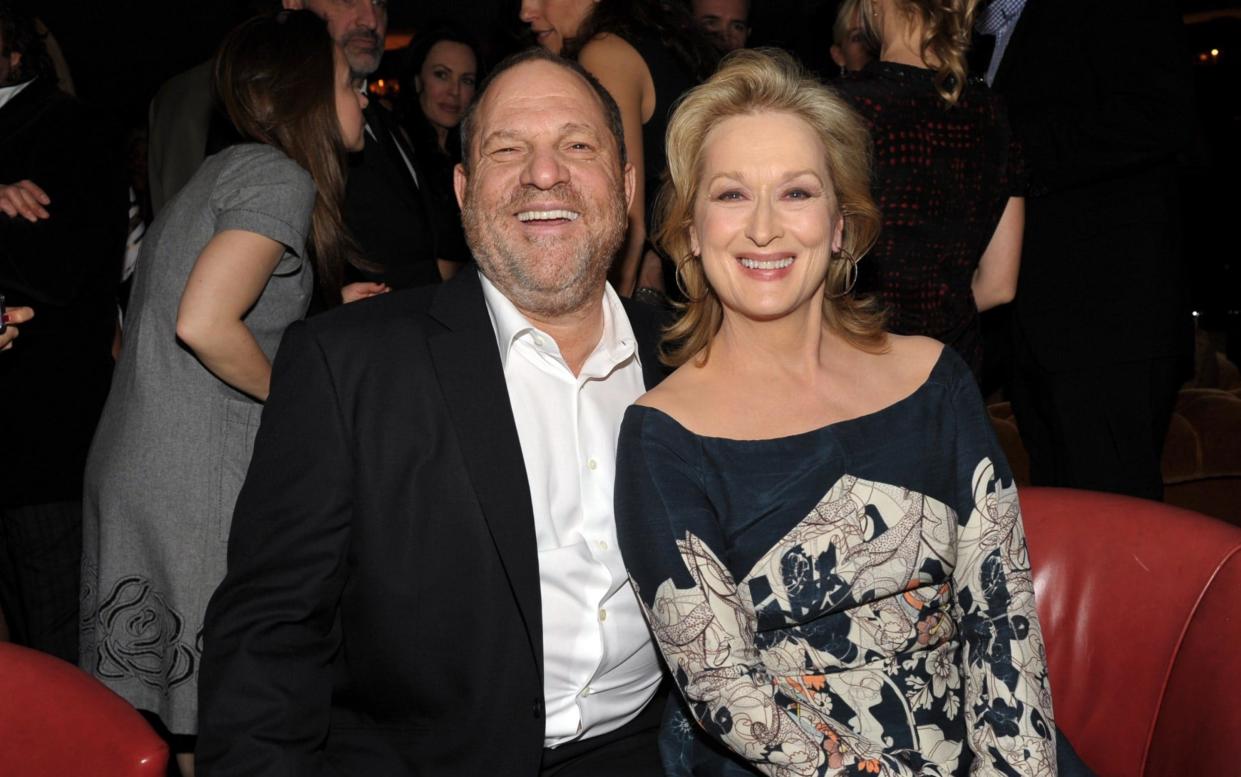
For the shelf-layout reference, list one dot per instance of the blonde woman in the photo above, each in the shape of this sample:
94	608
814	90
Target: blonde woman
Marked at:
947	180
822	529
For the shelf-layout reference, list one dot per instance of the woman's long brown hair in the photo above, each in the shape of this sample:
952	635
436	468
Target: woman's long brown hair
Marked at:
275	76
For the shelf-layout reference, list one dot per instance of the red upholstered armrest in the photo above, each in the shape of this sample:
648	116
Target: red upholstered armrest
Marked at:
57	720
1139	606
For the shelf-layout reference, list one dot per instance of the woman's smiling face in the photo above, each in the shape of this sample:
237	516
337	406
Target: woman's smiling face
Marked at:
446	83
766	221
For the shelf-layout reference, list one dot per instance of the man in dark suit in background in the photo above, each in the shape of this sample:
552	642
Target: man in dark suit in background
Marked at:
1099	96
387	208
423	569
67	267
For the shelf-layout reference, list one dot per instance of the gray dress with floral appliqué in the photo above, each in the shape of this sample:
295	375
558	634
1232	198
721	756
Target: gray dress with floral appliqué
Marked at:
174	441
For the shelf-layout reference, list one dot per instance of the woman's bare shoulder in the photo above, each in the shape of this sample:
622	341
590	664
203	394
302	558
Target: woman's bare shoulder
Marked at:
611	49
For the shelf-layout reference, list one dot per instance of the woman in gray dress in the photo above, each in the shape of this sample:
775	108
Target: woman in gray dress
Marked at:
225	269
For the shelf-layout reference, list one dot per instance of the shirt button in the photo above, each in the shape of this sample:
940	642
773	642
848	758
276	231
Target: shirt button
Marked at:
538	341
592	464
602	545
603	615
587	691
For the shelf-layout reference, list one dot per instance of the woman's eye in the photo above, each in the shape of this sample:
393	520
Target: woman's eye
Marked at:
730	195
798	194
441	75
468	81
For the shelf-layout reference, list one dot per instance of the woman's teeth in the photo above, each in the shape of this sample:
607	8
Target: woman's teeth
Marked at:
773	264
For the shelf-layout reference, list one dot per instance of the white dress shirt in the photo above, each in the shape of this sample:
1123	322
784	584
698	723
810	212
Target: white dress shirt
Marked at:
599	666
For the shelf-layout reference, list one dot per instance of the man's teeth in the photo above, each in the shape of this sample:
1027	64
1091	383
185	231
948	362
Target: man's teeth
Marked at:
546	215
774	264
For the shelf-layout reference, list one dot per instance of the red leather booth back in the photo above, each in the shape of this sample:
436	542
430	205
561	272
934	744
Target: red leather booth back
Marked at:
57	720
1140	605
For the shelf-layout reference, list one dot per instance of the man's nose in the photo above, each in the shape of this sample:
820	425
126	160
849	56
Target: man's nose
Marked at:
368	15
544	169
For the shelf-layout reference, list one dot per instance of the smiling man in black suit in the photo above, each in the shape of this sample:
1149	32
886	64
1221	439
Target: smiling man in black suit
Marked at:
423	570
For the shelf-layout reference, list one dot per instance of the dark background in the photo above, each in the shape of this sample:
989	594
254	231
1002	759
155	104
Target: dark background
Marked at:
120	51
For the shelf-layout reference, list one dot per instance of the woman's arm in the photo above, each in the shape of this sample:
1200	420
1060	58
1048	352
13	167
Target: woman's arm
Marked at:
995	280
622	71
227	279
1008	712
705	626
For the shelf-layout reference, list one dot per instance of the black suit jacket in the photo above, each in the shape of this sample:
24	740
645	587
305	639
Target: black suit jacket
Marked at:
387	213
381	612
1098	94
54	381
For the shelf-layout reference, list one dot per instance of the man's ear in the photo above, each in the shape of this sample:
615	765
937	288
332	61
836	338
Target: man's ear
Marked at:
459	183
631	184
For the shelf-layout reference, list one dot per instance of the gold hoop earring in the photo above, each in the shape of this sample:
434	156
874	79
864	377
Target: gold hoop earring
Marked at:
850	275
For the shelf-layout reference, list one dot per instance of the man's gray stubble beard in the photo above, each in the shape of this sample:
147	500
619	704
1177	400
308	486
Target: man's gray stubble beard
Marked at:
508	270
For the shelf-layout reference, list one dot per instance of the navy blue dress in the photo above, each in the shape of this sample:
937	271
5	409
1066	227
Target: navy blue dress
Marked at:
853	600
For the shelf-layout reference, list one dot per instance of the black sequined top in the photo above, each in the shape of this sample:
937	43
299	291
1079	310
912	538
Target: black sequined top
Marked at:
942	178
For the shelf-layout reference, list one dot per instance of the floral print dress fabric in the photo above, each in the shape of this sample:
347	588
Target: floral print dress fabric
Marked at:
855	600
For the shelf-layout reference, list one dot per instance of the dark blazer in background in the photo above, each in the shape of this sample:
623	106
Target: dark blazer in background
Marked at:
387	212
1099	96
381	614
54	381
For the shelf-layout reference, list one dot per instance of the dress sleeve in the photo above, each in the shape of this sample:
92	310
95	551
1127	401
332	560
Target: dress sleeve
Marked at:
261	190
705	624
1008	711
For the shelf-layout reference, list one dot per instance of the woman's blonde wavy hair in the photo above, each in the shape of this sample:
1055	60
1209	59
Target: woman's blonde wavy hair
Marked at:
748	82
946	27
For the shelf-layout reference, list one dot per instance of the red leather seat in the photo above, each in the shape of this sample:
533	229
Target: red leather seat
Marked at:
1140	604
56	720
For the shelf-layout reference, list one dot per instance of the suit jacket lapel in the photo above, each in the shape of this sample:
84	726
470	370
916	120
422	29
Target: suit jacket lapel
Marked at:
467	364
394	166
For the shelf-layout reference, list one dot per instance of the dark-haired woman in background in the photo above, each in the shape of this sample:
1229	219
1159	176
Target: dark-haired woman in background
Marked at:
225	269
646	53
441	73
946	178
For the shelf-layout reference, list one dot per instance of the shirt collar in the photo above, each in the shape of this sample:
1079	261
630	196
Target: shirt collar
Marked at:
616	344
9	92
